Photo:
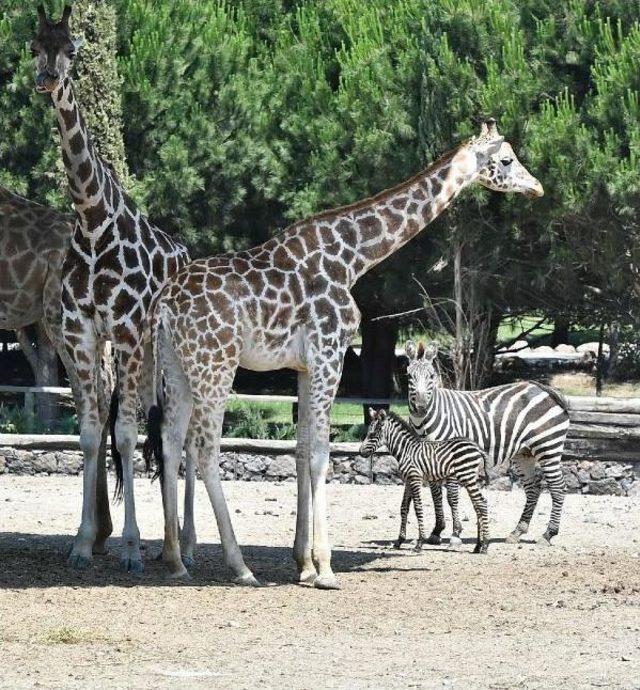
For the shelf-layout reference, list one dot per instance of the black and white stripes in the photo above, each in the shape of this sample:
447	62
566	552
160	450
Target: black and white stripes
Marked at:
524	422
419	460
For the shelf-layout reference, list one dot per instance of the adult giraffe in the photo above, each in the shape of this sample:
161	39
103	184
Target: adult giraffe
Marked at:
33	243
116	262
287	303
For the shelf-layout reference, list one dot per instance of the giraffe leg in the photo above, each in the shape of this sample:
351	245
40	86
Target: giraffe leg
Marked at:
324	382
126	433
415	483
302	543
554	477
436	494
177	403
188	538
85	370
453	494
526	469
404	513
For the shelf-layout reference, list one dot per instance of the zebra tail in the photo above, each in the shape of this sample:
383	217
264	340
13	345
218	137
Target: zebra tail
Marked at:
485	460
556	396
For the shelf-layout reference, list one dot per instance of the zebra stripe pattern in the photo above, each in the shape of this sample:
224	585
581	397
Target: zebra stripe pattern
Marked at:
522	422
431	460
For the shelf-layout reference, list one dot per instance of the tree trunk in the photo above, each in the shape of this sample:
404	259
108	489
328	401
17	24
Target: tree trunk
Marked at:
459	358
43	359
600	362
378	361
484	347
614	346
560	333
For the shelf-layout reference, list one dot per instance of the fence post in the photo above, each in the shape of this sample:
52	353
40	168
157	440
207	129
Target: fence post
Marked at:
29	404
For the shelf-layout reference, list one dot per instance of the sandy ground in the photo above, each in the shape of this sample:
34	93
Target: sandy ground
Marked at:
523	616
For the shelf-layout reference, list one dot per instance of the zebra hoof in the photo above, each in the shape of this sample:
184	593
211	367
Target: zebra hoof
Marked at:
434	540
397	544
481	548
513	538
544	540
454	542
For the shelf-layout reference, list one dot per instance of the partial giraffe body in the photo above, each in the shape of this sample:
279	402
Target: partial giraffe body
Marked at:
522	422
116	263
287	304
420	460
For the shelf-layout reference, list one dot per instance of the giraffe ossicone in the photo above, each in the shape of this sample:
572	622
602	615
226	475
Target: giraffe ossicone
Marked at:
287	304
117	261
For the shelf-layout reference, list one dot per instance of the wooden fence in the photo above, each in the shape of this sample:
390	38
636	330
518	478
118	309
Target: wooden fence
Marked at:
604	429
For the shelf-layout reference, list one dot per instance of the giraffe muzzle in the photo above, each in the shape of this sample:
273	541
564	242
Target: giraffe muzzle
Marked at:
45	82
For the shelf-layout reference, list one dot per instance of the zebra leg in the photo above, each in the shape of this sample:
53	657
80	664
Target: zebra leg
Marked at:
480	506
526	470
453	493
404	512
554	477
436	495
415	485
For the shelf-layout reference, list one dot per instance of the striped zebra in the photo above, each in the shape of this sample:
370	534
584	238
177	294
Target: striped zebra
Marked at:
522	422
420	460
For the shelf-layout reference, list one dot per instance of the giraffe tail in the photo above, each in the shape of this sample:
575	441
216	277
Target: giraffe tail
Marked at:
115	453
152	448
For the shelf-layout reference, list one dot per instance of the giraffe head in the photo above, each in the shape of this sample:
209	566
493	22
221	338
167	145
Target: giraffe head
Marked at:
496	165
422	375
374	438
53	50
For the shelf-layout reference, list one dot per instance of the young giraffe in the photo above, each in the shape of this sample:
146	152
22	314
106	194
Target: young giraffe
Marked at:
287	303
33	243
117	261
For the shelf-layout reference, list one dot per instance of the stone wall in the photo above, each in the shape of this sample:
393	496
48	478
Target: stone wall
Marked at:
583	476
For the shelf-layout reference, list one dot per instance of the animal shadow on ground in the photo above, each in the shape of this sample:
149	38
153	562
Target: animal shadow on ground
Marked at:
38	561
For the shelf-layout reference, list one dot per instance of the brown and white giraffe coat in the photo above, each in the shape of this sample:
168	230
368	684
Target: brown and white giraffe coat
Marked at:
116	262
287	303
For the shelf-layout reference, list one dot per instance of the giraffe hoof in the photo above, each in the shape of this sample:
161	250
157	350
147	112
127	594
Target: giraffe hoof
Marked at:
434	540
188	561
247	580
134	567
100	550
78	561
326	582
179	574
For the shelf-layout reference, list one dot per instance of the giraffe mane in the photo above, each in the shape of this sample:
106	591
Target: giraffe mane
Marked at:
362	203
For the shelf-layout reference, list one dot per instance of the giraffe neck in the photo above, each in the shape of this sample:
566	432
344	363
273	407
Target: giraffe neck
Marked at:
359	236
95	191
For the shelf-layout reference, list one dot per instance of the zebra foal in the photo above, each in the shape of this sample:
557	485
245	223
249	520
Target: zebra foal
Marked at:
431	460
523	422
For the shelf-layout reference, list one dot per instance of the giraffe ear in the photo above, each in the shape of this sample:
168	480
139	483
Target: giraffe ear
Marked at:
420	350
66	13
410	349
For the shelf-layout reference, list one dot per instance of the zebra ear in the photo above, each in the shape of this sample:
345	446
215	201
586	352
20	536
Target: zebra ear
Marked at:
420	350
372	414
431	351
410	349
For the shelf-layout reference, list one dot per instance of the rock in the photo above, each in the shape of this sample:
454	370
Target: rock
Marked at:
593	347
385	464
597	472
565	349
573	483
362	466
583	476
3	464
605	486
256	465
283	466
615	471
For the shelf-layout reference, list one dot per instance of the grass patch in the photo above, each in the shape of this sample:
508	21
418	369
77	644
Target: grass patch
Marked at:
68	635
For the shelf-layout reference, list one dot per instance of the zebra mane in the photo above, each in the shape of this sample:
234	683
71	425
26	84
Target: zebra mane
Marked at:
403	423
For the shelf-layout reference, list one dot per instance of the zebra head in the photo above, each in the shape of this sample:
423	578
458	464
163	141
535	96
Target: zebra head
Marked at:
375	433
422	376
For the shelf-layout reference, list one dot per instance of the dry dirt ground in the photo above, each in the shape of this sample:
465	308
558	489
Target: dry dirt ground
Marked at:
524	616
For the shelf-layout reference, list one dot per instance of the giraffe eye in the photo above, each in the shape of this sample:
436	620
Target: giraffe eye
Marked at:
506	161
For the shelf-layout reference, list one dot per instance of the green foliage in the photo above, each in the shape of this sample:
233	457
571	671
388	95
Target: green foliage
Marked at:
241	117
